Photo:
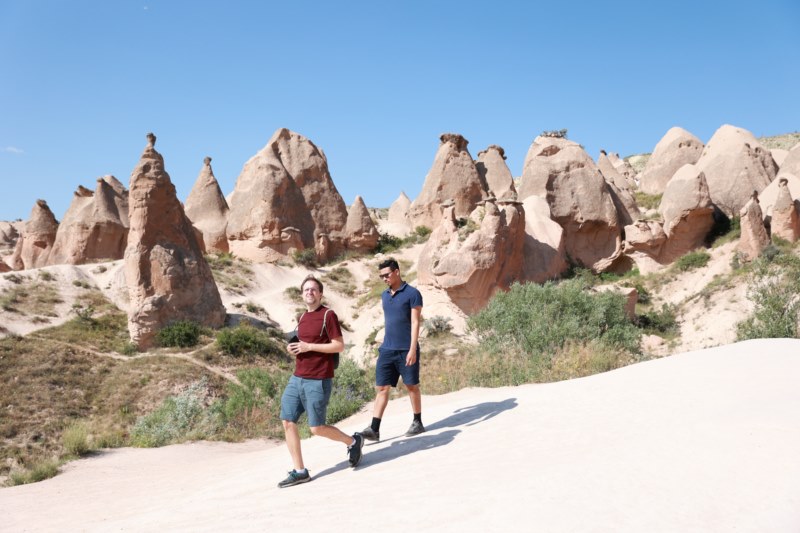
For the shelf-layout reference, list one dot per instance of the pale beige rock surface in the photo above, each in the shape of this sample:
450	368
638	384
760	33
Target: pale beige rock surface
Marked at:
709	444
544	251
494	171
36	239
676	148
399	223
453	176
95	227
769	196
561	171
167	276
687	211
785	222
361	235
754	235
208	210
735	165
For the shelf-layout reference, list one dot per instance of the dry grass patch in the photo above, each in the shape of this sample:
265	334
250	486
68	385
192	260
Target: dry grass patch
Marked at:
231	273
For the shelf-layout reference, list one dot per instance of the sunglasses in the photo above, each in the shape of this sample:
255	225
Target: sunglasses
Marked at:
386	276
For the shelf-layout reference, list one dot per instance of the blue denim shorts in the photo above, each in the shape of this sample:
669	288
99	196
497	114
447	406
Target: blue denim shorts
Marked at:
306	395
392	364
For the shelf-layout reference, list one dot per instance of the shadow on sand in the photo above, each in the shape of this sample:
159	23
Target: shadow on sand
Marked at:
465	416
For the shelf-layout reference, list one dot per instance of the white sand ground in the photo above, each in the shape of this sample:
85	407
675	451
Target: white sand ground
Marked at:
701	441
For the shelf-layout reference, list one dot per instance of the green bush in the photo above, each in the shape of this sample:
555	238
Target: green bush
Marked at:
306	257
173	421
388	243
75	439
245	339
538	319
181	334
252	407
352	388
692	260
423	232
663	321
774	289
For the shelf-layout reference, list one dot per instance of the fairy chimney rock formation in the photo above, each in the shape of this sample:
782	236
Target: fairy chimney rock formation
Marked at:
95	227
168	279
754	235
36	239
580	200
735	164
676	148
361	233
453	175
471	267
544	250
398	222
286	184
784	221
687	211
207	209
494	172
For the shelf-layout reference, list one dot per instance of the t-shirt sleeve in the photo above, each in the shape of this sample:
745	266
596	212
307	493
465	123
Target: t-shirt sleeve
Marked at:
416	300
332	325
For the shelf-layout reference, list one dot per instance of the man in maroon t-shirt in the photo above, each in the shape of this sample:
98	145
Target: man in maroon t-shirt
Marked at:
309	389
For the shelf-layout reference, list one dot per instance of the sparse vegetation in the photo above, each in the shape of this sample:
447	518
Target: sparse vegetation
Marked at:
647	201
660	322
180	334
178	418
244	340
692	261
306	257
293	294
341	280
437	325
775	290
231	273
76	439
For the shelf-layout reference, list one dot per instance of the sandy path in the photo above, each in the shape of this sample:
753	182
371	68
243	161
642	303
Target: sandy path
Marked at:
702	441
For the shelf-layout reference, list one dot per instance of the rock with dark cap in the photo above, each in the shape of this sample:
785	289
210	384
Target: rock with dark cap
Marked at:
360	232
208	210
36	239
167	276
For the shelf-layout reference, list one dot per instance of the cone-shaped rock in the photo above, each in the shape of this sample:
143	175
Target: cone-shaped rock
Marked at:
579	200
208	210
283	200
487	260
611	173
493	170
784	221
95	227
398	222
362	235
769	196
754	235
453	176
791	163
36	239
676	148
623	167
168	279
735	165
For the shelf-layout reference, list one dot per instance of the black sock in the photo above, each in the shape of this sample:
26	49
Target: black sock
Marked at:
376	424
418	417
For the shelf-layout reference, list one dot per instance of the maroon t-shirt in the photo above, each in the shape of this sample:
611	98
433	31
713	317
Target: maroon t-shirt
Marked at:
316	365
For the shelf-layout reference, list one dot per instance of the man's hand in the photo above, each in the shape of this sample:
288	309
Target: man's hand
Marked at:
411	358
297	348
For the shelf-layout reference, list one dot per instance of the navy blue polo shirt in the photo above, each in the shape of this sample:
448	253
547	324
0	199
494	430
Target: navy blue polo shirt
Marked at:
397	316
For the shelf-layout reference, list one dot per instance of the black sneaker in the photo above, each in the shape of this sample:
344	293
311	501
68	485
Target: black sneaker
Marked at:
295	478
415	429
371	434
354	450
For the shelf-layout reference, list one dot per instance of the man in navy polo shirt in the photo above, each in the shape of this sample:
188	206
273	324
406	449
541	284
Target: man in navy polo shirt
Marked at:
399	353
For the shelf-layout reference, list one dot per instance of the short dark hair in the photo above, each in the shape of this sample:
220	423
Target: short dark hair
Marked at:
313	278
391	263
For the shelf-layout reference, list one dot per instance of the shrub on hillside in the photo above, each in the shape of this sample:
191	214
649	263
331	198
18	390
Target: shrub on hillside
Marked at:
437	325
252	407
245	339
538	319
775	290
352	388
692	260
306	257
181	334
173	421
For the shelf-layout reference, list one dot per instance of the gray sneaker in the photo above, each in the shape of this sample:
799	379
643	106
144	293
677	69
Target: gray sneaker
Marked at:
354	450
295	478
371	434
415	429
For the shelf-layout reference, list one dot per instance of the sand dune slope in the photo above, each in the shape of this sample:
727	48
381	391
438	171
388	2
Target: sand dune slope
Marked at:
701	441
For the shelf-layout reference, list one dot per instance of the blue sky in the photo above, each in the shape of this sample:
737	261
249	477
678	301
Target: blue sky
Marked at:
373	84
